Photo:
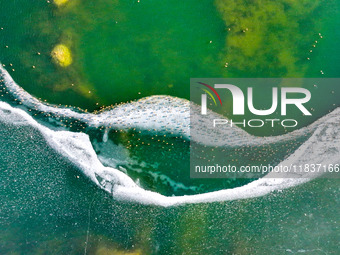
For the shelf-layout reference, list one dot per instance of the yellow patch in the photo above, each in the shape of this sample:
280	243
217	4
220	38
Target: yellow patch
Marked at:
62	55
60	2
269	37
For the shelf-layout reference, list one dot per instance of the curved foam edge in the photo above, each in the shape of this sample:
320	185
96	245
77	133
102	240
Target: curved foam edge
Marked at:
78	149
158	113
173	111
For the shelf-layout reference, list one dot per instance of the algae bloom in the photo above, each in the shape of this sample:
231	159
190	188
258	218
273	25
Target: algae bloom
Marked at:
60	2
270	37
62	55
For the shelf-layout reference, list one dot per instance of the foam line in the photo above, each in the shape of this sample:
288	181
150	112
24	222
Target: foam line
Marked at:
163	114
168	114
78	149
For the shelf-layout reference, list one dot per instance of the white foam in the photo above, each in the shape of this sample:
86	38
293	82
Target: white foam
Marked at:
169	114
155	113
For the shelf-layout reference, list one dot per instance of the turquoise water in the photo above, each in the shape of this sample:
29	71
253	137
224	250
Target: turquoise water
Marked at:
126	50
51	208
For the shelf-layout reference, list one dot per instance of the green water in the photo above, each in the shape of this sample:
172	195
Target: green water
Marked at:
50	208
122	50
125	50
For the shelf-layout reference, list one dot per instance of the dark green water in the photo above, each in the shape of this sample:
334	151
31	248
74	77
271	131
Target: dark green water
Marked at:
125	50
122	50
48	207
